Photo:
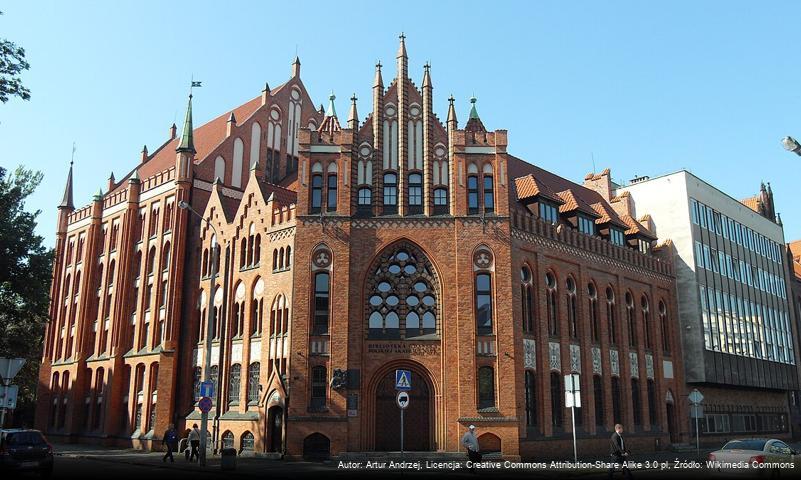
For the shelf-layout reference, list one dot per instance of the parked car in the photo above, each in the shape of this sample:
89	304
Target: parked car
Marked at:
25	450
760	456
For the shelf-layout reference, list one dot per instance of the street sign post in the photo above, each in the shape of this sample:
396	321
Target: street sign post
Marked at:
403	383
403	400
9	367
573	401
8	396
403	380
204	404
696	398
207	389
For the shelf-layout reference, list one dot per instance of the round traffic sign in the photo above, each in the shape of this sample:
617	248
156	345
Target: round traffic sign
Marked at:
403	400
204	404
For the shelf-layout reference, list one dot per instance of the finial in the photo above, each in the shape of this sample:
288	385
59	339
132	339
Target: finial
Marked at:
296	67
473	111
353	117
402	47
99	195
378	81
427	75
331	112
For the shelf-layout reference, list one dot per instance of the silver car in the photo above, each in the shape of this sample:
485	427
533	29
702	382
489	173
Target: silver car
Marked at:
759	456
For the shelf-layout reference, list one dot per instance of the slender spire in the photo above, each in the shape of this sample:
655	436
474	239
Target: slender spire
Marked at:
427	75
779	219
378	82
451	111
331	111
187	143
353	116
173	131
99	195
232	118
296	67
403	61
402	47
66	201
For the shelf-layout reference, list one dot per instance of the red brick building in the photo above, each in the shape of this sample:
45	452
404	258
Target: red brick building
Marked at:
347	252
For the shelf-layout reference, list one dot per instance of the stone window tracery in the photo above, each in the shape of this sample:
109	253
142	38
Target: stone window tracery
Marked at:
402	296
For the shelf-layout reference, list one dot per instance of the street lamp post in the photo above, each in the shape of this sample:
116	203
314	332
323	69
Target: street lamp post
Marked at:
791	145
204	419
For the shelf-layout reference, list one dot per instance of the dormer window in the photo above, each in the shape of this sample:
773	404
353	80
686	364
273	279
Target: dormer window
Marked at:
644	246
586	225
616	236
548	212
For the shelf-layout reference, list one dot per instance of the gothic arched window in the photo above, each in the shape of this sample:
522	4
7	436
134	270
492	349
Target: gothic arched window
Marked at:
402	295
527	299
234	382
551	304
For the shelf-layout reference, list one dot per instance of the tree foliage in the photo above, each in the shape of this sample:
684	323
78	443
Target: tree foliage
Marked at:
25	275
12	64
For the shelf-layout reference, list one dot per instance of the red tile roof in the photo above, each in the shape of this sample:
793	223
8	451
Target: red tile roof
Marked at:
549	182
573	203
636	227
529	187
607	215
206	138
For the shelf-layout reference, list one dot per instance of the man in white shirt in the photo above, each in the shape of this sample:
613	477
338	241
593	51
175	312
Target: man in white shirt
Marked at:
470	442
194	442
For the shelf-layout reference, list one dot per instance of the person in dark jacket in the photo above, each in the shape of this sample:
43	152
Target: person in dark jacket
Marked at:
618	452
170	439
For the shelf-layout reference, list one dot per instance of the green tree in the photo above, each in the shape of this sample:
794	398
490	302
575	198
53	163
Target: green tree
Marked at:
25	275
12	64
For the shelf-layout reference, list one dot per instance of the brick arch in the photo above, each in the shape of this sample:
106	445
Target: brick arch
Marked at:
489	443
437	429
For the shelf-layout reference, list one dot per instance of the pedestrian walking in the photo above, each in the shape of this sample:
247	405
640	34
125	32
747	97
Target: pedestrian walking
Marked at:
470	442
194	443
618	452
170	438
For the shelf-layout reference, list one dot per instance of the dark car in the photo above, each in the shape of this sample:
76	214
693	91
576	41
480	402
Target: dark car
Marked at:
25	450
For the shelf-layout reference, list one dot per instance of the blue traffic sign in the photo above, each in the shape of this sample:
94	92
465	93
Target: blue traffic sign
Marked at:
403	380
207	389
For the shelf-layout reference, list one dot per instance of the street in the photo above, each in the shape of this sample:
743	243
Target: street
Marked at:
90	462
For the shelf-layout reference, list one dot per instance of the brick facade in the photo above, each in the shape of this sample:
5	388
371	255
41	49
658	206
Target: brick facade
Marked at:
401	242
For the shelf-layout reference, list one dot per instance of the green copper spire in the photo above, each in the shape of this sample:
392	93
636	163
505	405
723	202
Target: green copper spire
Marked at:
331	112
99	195
187	143
473	112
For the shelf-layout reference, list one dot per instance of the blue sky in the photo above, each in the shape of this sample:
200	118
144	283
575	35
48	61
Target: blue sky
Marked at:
645	88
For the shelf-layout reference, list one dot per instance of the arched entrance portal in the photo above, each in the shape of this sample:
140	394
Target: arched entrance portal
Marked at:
417	417
275	418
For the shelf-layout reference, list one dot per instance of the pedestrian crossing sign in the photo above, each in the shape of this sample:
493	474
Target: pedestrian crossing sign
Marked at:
403	380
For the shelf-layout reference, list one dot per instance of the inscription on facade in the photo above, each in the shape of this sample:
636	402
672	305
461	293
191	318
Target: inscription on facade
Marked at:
404	348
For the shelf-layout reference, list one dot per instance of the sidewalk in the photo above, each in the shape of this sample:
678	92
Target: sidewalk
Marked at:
246	466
